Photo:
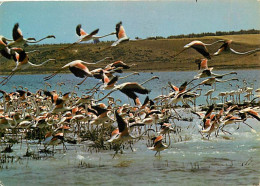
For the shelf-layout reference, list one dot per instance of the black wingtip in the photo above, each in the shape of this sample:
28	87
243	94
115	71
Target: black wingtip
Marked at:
16	25
94	32
78	27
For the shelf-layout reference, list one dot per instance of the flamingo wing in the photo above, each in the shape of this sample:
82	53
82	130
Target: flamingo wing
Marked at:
129	93
120	34
113	80
183	87
78	72
254	114
123	39
174	88
5	52
120	64
135	87
224	47
209	111
80	31
122	125
90	36
202	50
158	140
17	33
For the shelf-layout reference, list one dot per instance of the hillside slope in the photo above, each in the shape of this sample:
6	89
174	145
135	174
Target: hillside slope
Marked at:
148	55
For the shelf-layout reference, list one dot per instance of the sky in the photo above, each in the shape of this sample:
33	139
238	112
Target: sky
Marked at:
140	18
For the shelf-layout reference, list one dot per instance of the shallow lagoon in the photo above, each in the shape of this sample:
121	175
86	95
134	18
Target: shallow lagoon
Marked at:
232	159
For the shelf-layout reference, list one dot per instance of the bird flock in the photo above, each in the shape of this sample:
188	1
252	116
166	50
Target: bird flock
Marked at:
50	118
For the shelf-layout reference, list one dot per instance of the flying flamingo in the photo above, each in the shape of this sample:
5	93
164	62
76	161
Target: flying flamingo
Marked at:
120	34
78	68
213	80
207	72
226	47
118	64
199	47
130	88
22	62
110	83
4	50
158	145
19	40
86	37
122	134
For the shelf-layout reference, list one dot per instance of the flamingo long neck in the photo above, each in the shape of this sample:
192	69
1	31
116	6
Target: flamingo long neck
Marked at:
128	75
221	75
38	40
112	33
107	95
214	42
147	80
243	53
226	80
35	65
101	60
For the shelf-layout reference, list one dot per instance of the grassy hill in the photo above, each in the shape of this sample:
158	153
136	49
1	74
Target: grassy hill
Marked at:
148	55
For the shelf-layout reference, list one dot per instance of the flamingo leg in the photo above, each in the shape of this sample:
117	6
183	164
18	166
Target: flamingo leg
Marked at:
50	76
179	53
6	79
82	80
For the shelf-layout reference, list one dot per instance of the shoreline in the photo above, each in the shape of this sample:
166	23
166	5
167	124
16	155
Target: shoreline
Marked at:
130	71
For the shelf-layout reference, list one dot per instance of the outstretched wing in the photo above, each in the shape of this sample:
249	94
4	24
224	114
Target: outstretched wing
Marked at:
17	33
122	125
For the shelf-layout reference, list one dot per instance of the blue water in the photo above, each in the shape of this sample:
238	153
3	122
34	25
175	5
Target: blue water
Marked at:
227	160
35	82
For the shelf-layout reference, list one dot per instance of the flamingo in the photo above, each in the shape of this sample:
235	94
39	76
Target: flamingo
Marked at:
110	83
158	145
213	80
122	134
226	47
4	49
86	37
199	47
19	40
130	88
53	139
22	62
207	72
78	68
251	112
120	34
118	64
